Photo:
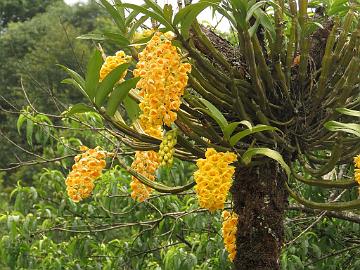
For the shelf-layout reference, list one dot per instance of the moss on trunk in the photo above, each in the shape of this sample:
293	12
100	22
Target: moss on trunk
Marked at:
260	199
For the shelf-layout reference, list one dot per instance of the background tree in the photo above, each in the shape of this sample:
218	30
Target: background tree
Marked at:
29	51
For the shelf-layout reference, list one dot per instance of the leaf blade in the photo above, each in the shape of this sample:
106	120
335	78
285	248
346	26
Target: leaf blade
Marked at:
119	94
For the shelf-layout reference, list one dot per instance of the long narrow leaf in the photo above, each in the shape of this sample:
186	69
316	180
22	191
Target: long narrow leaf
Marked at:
343	127
152	14
115	15
215	113
247	156
79	108
348	112
251	10
242	134
229	129
154	6
93	73
76	84
132	108
74	75
20	122
119	94
106	86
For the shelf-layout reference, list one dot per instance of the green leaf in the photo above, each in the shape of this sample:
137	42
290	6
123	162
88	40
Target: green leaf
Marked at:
253	9
76	84
20	122
79	108
119	94
348	112
214	113
132	108
188	14
311	27
152	14
240	5
168	12
154	6
242	134
106	86
343	127
29	130
136	26
75	76
298	262
265	21
117	38
252	30
247	156
118	19
92	36
93	73
316	250
229	129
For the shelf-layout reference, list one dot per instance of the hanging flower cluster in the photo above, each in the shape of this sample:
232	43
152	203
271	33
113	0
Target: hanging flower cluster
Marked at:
357	169
162	83
145	163
87	168
229	228
143	34
112	62
167	149
214	178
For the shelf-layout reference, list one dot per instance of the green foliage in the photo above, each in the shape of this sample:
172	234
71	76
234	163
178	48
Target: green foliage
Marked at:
41	228
29	51
41	223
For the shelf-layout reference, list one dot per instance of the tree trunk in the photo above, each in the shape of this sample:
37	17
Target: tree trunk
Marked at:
259	199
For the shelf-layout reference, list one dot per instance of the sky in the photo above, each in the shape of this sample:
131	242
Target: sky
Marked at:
206	15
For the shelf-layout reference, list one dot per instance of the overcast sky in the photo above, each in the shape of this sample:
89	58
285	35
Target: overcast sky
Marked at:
206	15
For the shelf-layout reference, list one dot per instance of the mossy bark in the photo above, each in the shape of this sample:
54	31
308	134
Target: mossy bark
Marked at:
260	199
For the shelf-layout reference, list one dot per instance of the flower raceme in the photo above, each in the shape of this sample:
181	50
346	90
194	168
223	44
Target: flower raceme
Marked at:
145	163
357	169
163	80
214	178
112	62
229	228
167	149
87	168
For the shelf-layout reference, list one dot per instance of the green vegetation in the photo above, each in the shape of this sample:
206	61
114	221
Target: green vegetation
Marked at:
292	122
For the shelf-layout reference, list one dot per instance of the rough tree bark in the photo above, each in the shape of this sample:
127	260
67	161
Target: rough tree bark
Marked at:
260	200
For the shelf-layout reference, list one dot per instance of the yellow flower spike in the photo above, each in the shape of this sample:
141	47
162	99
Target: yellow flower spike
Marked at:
214	178
357	169
160	68
229	228
357	161
87	168
145	163
111	62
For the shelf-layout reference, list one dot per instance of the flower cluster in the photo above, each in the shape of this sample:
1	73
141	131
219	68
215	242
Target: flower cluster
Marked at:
167	149
143	34
162	83
229	228
112	62
145	163
357	169
87	168
214	178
